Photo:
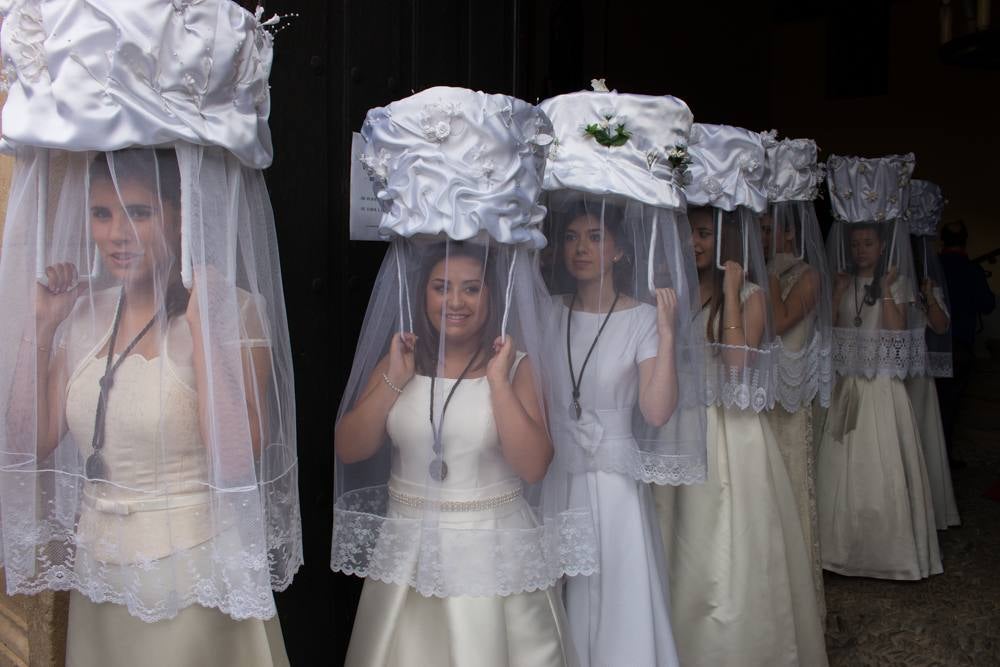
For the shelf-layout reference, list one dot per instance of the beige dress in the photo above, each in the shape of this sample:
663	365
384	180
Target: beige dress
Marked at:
741	583
923	396
396	625
794	430
876	517
130	533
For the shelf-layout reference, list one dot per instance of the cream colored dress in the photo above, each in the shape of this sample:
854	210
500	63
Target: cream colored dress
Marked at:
742	591
923	396
396	625
876	516
794	430
157	508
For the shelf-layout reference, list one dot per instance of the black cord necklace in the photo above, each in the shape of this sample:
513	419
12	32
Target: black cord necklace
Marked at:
858	304
95	467
575	410
438	468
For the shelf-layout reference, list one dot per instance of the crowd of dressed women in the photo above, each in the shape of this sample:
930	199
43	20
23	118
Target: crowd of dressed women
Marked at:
613	380
616	401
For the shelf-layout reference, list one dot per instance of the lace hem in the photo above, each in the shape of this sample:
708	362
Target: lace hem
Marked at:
803	375
641	466
239	583
879	352
746	386
939	365
437	560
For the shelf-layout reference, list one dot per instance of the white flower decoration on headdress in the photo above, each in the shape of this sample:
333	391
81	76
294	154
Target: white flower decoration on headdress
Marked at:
712	186
748	163
870	196
599	85
769	138
435	120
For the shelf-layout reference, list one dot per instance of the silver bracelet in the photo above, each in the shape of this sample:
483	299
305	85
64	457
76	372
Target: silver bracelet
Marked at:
391	385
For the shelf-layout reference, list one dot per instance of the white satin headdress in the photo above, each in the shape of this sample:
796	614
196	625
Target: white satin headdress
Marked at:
108	74
727	168
926	204
610	143
458	162
792	171
869	189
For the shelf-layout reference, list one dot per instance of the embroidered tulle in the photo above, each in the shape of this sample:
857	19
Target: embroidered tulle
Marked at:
740	387
803	375
226	572
433	558
643	466
878	352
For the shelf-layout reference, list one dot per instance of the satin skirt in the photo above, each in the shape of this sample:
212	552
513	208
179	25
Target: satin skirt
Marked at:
620	615
924	397
876	516
742	591
106	635
794	433
396	626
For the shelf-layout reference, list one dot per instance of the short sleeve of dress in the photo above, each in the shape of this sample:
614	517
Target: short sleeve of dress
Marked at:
939	298
647	338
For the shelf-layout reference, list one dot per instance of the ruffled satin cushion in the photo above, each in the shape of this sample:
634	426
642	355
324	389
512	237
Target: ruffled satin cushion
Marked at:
107	74
792	173
638	169
869	189
926	204
459	162
727	168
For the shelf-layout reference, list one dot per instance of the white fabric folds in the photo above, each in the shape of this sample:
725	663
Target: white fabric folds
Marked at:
105	74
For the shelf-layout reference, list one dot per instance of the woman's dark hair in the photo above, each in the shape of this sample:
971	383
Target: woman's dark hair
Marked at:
428	337
731	240
873	292
557	277
157	170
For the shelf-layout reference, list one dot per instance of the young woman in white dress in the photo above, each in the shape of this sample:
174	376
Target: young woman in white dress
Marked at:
442	440
876	515
742	589
926	203
622	372
799	287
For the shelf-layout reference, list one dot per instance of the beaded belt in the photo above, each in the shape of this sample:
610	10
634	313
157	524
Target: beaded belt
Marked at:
420	502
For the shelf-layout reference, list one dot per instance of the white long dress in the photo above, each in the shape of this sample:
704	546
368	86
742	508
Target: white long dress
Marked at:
396	625
923	396
876	516
150	529
794	430
619	616
742	592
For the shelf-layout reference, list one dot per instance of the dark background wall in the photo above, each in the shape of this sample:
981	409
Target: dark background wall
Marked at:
859	76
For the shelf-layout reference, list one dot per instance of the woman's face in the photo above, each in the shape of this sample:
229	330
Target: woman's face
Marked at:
866	248
589	251
703	237
460	296
134	240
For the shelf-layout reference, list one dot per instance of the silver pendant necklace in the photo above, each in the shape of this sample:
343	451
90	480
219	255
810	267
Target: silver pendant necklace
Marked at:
438	469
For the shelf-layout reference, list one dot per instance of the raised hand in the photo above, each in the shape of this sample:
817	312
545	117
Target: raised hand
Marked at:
499	365
666	310
401	362
732	281
54	302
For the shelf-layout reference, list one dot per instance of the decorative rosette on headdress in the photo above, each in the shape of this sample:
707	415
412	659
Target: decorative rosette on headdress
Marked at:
459	162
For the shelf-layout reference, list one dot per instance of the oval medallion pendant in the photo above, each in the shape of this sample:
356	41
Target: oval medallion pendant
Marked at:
857	320
438	470
95	467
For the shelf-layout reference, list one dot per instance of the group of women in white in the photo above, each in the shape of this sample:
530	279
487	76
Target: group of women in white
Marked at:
616	402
